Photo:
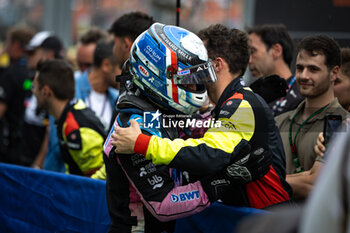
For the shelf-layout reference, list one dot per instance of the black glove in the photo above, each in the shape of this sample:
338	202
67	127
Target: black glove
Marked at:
270	88
246	166
250	167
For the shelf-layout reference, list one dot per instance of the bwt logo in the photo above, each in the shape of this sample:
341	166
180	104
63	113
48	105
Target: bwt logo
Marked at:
151	119
182	197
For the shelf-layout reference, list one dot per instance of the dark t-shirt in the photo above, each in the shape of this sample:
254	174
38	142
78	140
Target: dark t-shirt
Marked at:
290	101
14	89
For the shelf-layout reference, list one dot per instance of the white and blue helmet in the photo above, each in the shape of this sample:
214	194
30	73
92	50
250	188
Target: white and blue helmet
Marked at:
165	61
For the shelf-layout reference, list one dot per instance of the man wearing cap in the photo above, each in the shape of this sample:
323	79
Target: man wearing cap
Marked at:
45	45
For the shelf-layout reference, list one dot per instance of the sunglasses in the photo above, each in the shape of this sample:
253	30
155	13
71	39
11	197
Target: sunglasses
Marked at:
84	65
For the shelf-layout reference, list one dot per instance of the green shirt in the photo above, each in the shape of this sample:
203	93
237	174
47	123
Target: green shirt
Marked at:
306	138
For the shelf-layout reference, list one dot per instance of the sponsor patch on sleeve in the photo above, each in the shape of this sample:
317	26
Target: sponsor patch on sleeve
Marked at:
74	140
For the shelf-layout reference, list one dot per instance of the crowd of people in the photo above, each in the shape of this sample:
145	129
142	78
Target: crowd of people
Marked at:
264	147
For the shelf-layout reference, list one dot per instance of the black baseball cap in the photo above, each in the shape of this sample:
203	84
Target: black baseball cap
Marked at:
46	40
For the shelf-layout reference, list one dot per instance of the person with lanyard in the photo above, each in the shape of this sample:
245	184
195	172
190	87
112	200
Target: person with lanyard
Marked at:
278	106
95	87
317	66
271	55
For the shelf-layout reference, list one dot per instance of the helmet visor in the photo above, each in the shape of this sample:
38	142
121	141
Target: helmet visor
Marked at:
200	74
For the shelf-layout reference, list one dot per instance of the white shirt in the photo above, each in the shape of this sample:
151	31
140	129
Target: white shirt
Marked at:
99	103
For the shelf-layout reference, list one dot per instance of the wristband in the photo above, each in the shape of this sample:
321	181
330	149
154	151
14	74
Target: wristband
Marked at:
141	144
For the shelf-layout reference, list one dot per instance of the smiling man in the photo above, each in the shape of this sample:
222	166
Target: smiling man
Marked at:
317	67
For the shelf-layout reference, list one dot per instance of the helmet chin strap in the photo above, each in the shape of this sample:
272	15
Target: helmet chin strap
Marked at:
163	108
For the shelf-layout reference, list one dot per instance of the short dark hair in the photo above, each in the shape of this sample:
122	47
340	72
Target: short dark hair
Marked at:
322	44
104	50
345	61
92	36
131	25
230	44
271	34
59	76
22	35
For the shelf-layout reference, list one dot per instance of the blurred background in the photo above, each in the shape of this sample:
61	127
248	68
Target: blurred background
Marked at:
71	18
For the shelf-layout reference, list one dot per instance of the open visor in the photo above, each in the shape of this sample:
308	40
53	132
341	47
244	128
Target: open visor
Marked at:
200	74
